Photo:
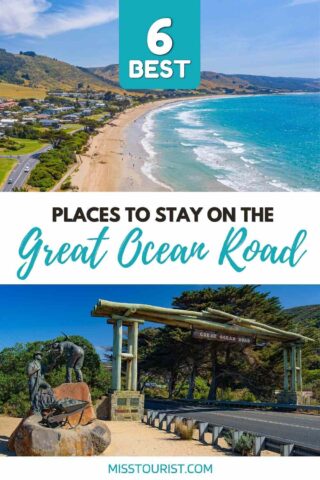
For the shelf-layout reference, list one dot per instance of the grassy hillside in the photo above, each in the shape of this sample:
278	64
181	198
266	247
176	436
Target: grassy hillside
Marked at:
37	71
305	314
221	83
10	90
40	71
282	83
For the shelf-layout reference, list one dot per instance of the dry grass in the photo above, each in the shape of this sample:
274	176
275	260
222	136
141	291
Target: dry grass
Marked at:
184	429
10	90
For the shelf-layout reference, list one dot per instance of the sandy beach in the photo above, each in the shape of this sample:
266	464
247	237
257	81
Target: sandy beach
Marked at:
105	167
115	156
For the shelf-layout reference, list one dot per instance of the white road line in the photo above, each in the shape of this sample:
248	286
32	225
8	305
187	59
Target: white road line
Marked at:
268	421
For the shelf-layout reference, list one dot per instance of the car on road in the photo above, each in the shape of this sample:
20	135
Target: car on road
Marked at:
26	169
10	181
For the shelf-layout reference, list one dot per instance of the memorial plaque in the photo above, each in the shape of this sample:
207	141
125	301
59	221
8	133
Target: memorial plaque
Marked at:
221	337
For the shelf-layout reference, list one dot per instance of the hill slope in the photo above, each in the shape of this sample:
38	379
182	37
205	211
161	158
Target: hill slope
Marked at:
305	314
41	71
221	83
34	70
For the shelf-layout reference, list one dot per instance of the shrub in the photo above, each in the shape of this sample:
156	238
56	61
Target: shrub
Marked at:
54	163
184	429
66	184
244	445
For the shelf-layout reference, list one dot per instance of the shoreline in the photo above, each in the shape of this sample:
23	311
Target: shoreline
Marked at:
117	161
114	161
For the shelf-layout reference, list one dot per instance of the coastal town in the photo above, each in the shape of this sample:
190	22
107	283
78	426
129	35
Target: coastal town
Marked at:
31	130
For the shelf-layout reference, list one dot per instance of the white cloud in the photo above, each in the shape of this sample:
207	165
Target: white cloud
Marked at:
37	18
294	3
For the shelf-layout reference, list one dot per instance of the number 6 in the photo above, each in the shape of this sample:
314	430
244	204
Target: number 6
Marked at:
155	36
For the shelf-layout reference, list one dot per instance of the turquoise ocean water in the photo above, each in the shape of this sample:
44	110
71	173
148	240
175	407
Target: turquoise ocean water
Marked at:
255	143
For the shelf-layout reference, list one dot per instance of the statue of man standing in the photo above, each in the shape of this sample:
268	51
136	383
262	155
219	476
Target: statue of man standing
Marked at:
74	356
36	380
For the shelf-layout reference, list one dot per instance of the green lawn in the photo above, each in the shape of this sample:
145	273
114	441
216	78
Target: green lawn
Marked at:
27	146
96	116
6	165
71	127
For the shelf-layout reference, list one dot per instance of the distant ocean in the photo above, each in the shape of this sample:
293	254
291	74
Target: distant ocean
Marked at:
253	143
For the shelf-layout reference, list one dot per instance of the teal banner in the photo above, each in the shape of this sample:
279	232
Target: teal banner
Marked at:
159	44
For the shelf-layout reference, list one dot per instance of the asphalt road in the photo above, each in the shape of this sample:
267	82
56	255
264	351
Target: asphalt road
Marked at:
300	429
18	175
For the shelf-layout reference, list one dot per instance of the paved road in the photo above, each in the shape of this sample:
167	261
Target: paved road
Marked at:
18	175
296	428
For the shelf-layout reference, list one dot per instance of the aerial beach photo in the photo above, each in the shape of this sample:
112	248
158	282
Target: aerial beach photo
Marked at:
252	125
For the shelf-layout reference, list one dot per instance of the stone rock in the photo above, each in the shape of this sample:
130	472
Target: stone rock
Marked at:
34	439
77	391
14	433
102	408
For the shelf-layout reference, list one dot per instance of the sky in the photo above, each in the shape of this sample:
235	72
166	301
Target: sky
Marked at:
30	313
263	37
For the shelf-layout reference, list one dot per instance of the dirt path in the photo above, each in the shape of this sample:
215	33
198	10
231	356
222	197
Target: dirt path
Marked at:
138	439
129	439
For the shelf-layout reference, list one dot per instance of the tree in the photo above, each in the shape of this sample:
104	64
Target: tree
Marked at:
55	137
175	355
232	365
90	125
13	380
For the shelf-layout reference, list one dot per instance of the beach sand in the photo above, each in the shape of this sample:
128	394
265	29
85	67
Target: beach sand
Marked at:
115	156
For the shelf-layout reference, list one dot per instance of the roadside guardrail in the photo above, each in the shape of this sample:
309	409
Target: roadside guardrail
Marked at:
165	421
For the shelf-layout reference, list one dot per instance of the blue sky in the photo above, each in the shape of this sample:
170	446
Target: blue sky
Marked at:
41	312
265	37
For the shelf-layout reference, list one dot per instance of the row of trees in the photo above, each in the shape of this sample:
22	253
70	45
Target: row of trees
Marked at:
54	163
190	368
14	398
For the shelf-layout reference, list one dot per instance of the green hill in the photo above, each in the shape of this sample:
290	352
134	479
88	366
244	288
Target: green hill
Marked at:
307	314
213	82
39	71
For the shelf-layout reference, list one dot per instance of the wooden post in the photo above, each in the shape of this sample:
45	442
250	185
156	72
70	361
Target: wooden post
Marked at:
293	369
299	362
114	359
285	368
129	362
117	354
135	356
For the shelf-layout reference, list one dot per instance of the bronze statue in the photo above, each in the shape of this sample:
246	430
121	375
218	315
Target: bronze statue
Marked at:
74	356
40	392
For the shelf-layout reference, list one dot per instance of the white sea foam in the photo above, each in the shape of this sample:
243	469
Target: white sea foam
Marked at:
236	147
235	164
229	172
149	164
189	118
248	160
195	134
147	129
212	157
281	185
